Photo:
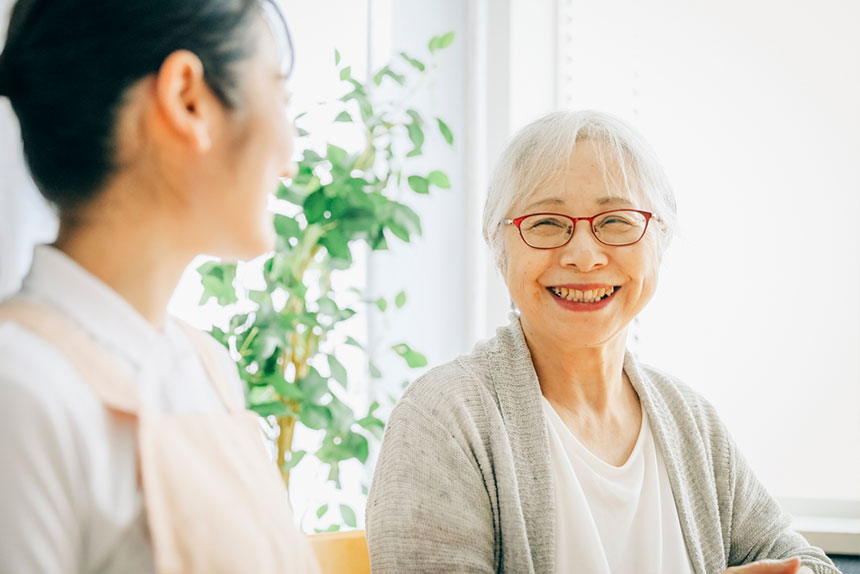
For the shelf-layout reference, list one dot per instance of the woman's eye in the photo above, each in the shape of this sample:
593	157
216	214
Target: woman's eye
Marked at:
548	223
615	221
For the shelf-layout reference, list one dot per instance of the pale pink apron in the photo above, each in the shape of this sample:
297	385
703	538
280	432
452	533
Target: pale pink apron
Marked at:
215	501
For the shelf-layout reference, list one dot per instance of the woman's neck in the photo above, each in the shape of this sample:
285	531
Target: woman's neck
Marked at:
580	377
136	253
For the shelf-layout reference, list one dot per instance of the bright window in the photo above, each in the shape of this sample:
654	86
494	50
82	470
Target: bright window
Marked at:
753	108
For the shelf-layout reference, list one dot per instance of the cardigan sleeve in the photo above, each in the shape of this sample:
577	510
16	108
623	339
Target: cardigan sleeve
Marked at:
428	509
760	529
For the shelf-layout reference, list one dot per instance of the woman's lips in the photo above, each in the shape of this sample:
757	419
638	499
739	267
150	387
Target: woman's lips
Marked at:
592	298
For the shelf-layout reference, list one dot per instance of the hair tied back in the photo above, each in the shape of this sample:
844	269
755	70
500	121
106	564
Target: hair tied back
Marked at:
4	77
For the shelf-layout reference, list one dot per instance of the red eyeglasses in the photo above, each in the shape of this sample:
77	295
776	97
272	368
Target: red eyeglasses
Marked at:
616	228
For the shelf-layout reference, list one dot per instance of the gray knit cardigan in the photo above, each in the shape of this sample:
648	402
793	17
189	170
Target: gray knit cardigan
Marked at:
463	479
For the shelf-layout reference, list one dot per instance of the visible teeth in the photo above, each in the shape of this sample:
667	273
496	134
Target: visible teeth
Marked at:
588	296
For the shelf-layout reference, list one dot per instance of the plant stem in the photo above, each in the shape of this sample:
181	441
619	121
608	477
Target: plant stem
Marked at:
287	426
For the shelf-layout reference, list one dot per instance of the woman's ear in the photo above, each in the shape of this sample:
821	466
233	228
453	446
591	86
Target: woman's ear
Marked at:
184	99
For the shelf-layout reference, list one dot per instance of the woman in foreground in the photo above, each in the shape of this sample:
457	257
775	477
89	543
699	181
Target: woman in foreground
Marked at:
158	129
550	448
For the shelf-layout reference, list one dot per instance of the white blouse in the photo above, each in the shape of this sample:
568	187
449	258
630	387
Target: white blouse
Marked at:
613	519
69	494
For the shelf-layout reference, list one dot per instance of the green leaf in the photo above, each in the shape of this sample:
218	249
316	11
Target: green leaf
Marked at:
400	300
382	304
372	424
289	390
310	156
217	280
322	510
387	71
374	371
336	57
314	206
417	64
270	408
328	307
446	40
315	417
343	117
439	179
345	73
398	230
379	243
413	358
295	458
419	184
336	245
336	448
445	131
287	227
416	136
342	417
358	445
348	515
220	336
415	116
313	386
354	343
338	371
337	155
406	217
441	42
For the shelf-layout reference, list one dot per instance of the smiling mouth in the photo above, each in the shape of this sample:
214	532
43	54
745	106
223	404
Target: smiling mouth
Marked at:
577	296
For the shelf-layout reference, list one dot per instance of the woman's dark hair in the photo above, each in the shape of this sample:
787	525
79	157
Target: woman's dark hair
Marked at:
67	64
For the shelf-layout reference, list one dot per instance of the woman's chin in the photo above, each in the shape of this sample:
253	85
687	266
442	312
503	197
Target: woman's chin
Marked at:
247	247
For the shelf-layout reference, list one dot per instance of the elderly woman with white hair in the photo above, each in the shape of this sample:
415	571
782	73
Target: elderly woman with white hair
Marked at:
550	448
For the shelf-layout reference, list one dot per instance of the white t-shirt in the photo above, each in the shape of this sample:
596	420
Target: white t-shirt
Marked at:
69	494
613	519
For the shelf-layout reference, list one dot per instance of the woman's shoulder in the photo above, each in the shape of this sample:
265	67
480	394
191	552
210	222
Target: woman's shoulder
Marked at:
460	379
461	386
672	387
686	406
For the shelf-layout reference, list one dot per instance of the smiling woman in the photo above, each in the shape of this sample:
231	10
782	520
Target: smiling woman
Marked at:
550	448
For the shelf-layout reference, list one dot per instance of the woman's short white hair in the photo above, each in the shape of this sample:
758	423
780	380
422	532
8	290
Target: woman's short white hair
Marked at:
541	151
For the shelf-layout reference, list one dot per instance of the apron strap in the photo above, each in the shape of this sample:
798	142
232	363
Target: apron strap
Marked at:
206	350
92	362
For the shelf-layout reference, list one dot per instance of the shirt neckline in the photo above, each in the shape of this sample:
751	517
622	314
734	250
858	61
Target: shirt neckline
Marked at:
592	459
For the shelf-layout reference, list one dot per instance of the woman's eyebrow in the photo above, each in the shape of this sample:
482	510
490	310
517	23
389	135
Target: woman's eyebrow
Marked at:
607	200
601	201
549	200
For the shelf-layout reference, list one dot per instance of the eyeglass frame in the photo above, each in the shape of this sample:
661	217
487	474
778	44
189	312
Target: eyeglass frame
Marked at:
573	220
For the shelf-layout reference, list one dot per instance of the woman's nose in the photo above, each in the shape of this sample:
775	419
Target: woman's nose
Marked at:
583	251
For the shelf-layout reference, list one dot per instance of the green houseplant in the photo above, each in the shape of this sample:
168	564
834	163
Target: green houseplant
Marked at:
340	198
